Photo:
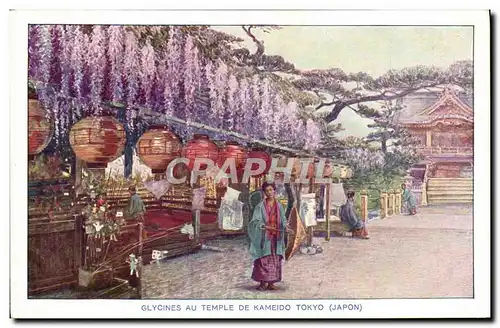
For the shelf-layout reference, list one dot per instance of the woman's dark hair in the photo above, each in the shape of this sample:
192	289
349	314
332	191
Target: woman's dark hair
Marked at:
267	184
403	185
350	194
132	188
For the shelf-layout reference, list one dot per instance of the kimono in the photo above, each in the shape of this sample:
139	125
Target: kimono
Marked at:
135	207
409	201
348	216
267	247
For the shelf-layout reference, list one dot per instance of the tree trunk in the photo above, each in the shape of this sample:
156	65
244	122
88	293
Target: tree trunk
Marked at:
384	145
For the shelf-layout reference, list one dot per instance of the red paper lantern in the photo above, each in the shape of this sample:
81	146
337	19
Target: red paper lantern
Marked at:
261	154
233	150
97	140
297	169
282	160
200	147
328	170
40	127
157	147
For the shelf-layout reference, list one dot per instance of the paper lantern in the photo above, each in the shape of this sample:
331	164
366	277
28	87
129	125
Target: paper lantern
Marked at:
343	172
328	170
200	147
335	171
97	140
40	127
282	160
297	167
157	147
260	154
233	150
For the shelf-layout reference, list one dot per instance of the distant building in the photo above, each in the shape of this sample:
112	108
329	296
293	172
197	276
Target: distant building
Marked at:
443	124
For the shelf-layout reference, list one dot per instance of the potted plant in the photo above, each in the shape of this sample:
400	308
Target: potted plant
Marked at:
101	229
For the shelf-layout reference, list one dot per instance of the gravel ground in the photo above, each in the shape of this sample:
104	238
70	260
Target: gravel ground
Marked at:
424	256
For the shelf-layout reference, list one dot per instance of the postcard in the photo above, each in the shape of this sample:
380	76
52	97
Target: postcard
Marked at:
257	164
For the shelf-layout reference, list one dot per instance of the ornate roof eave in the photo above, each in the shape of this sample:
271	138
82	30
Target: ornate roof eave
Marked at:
447	95
433	121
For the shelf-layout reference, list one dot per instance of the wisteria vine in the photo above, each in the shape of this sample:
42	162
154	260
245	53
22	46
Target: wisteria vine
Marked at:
77	69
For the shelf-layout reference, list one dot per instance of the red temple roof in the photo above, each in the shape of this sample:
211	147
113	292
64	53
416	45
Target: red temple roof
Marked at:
447	108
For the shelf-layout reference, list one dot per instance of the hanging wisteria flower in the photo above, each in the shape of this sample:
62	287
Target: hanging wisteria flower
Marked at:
174	70
266	109
232	90
192	78
278	125
253	106
313	135
33	50
45	53
210	78
147	73
221	81
56	35
131	62
65	62
77	58
97	64
160	82
116	51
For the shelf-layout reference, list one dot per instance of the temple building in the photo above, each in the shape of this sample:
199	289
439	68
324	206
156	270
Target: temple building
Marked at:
443	124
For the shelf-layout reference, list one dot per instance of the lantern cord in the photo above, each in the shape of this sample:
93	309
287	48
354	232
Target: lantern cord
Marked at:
147	112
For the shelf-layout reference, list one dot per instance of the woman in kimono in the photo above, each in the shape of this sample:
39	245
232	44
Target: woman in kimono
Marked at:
409	200
266	231
135	208
349	217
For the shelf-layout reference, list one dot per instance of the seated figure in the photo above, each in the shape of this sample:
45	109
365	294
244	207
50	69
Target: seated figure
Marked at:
349	217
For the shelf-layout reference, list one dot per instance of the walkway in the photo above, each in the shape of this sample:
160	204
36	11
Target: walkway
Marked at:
422	256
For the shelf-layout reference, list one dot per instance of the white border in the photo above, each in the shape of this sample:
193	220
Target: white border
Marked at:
21	307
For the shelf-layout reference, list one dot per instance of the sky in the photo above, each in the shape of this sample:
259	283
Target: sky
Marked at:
373	50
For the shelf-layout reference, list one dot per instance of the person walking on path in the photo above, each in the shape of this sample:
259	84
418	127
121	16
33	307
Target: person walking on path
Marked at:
409	201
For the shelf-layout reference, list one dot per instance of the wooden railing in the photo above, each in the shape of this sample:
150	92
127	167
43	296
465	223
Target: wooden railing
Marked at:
444	150
390	203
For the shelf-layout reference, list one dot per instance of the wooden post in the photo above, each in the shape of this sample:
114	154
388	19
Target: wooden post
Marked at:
398	203
428	138
196	225
383	205
392	204
328	209
423	201
139	257
311	228
364	205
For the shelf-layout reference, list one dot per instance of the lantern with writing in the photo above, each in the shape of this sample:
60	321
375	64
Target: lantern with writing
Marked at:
343	172
260	154
335	171
40	128
328	169
235	151
282	161
157	147
97	140
200	147
297	168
